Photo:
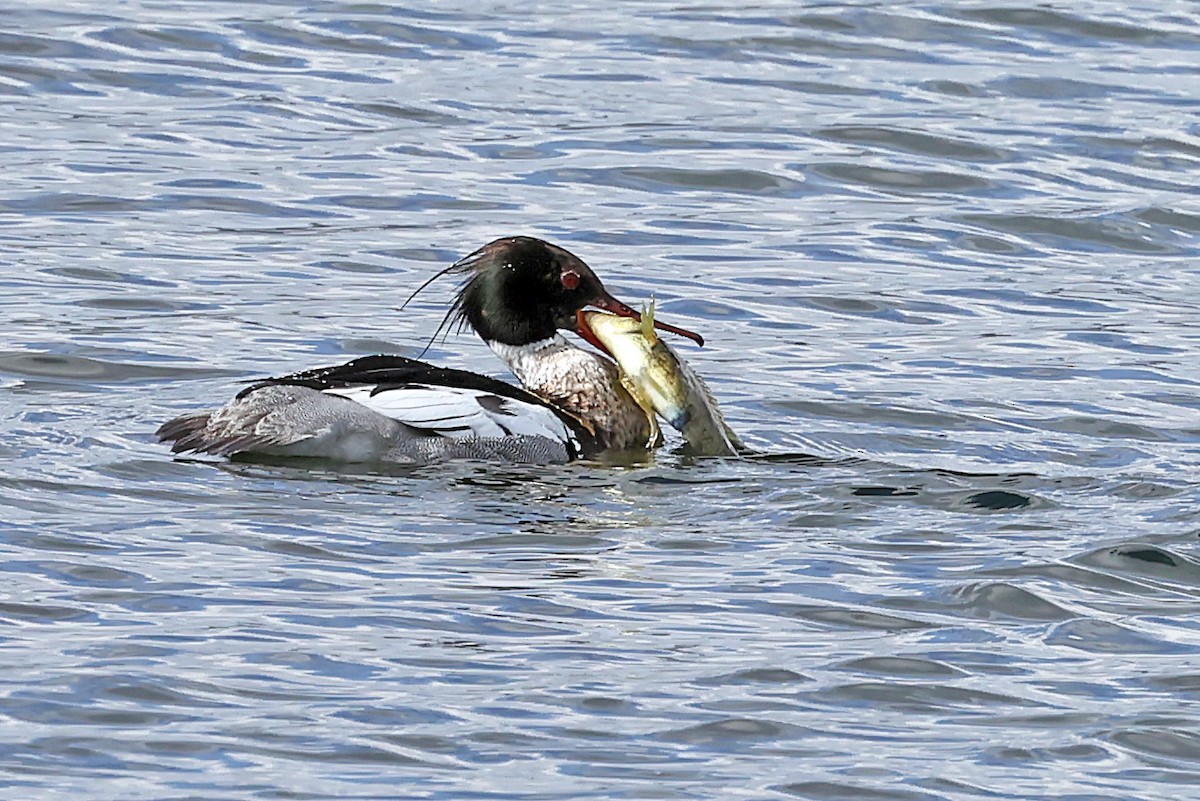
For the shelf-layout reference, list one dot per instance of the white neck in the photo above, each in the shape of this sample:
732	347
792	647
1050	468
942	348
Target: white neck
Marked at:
523	359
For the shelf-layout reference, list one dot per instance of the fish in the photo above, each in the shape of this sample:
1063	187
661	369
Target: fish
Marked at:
661	382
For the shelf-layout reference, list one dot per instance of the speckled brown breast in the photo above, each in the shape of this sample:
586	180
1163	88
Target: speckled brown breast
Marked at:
589	387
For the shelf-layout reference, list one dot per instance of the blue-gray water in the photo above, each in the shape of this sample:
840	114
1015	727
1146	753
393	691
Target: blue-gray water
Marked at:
947	260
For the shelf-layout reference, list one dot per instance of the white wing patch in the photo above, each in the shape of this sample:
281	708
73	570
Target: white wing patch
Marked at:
460	413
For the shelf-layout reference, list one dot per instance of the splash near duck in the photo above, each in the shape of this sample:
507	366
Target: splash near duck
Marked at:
660	381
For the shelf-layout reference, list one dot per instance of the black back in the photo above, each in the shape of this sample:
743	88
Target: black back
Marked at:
392	372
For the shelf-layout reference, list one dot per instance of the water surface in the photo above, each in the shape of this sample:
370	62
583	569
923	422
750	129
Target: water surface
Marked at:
946	261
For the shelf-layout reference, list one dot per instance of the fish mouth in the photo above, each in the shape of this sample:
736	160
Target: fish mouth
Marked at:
589	336
613	306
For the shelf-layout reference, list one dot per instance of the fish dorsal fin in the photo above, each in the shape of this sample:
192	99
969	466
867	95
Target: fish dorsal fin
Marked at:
648	322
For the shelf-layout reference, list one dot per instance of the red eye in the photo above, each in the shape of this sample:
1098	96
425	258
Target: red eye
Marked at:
570	280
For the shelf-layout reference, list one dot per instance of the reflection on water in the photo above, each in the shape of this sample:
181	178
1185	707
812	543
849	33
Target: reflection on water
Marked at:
945	261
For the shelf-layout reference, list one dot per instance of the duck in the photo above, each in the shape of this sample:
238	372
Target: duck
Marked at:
518	294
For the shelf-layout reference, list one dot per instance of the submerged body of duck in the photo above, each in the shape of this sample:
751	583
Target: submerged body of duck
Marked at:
518	294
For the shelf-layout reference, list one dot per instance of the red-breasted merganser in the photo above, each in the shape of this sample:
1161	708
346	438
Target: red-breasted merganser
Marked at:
518	293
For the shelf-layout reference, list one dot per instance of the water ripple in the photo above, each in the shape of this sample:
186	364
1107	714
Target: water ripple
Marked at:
944	260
